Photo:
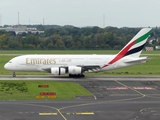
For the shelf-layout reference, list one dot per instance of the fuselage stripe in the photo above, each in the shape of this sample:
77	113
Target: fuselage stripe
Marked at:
135	50
143	37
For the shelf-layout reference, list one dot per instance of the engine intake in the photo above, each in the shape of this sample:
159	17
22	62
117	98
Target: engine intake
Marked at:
58	71
74	70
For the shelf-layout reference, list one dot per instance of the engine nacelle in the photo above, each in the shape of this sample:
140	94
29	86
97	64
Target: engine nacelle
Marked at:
74	70
58	71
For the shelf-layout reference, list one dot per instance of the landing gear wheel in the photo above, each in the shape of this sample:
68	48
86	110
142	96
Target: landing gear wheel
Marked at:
70	75
76	76
82	75
14	75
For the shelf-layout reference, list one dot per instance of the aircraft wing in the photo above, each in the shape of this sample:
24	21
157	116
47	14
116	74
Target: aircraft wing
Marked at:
89	68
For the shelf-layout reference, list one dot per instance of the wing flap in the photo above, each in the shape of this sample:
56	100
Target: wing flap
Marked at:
90	68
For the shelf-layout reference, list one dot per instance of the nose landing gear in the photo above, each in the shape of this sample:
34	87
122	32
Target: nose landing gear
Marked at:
14	74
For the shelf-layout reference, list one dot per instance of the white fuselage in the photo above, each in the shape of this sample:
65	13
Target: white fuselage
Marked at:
35	63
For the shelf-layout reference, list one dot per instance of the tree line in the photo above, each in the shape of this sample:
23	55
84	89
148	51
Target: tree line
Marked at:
70	37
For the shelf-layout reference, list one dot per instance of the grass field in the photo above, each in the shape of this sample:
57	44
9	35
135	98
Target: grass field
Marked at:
152	67
28	90
60	52
69	52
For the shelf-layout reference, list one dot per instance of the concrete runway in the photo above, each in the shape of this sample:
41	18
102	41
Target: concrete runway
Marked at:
123	98
88	78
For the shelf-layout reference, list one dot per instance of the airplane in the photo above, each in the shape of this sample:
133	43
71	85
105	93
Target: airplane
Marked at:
77	65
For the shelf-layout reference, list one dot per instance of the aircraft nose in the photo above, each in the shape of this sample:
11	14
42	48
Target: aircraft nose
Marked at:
6	66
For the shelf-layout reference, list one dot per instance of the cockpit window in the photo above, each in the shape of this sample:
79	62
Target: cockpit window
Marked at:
10	62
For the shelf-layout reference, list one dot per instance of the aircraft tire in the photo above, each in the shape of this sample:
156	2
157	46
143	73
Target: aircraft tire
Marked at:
70	75
76	76
14	75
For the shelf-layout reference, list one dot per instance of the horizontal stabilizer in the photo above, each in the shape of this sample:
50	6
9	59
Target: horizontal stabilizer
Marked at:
139	60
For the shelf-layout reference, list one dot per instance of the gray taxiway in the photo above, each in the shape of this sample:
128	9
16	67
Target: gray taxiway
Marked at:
123	98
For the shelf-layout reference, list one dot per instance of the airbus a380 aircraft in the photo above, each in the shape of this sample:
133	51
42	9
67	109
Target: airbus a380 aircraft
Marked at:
76	65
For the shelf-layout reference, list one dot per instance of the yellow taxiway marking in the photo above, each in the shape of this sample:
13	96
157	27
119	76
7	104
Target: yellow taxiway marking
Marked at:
53	113
153	94
97	103
127	86
148	95
84	113
48	107
61	114
124	95
68	113
130	88
26	112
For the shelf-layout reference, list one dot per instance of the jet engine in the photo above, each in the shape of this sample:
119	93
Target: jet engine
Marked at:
74	70
58	71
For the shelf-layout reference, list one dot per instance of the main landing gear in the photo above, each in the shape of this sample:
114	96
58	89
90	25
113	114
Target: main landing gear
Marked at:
14	74
76	76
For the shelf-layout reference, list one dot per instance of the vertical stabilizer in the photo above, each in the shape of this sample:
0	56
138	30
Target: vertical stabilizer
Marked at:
135	46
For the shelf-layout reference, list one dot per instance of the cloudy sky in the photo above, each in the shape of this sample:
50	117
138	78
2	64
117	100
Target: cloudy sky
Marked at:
80	13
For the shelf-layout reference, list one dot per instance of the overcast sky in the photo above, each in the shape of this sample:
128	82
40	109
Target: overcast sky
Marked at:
81	13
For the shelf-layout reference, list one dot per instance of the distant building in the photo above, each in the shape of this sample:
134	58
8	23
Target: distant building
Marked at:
150	40
157	47
158	40
149	48
21	29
